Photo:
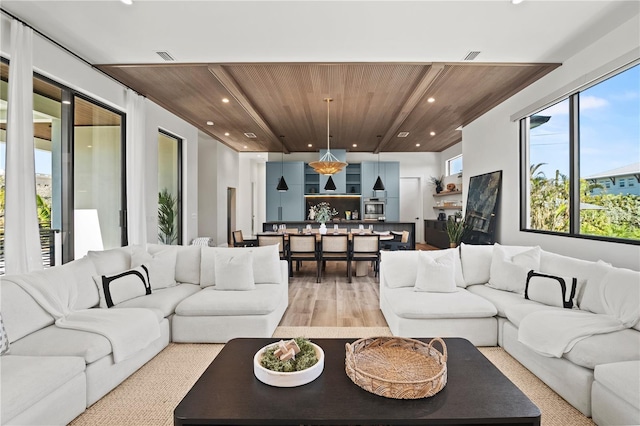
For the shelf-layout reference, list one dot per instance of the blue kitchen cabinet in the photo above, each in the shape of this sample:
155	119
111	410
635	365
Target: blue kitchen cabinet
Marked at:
287	205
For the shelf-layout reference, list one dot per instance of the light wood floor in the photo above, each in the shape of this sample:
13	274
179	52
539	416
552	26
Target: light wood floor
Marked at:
334	302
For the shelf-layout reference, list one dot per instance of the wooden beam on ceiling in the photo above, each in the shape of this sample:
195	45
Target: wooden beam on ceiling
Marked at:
234	89
414	98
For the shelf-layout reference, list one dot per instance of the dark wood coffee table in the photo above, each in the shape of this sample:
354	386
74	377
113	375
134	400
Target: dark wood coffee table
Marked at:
228	393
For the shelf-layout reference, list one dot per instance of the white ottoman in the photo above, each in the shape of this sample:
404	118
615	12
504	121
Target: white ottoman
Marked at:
615	395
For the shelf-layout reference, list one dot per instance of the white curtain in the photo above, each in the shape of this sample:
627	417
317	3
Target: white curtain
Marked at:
22	239
136	169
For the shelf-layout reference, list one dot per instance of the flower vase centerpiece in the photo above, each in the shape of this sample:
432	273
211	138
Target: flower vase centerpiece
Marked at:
323	213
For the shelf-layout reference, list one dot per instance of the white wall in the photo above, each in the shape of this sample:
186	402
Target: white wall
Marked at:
492	143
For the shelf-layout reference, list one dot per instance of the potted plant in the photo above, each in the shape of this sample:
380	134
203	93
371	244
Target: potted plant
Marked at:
167	215
437	181
456	229
323	213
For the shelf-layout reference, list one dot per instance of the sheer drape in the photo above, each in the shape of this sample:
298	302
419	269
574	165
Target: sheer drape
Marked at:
22	239
136	167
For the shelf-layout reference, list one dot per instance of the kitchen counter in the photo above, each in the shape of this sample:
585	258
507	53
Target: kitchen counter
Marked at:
343	223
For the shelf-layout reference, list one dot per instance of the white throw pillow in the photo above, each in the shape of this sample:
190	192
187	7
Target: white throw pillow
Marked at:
621	295
509	272
436	274
161	266
399	268
266	264
109	262
187	261
476	261
590	295
550	289
127	285
234	271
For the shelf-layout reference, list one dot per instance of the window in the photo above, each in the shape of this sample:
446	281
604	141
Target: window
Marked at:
577	152
169	189
454	165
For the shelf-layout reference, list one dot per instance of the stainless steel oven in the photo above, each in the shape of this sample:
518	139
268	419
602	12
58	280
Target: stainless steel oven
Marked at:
374	208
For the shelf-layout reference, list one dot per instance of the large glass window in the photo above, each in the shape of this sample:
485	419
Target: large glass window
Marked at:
98	178
583	162
169	190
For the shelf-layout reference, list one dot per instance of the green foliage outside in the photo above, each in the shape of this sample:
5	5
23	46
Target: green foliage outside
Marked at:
167	217
607	215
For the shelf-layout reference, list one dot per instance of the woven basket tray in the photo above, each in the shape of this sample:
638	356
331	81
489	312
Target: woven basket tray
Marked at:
395	367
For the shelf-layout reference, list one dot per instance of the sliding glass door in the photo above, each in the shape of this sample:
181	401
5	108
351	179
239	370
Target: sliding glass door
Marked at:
98	165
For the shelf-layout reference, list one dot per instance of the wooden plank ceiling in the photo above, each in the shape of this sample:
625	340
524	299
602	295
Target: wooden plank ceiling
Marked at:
372	102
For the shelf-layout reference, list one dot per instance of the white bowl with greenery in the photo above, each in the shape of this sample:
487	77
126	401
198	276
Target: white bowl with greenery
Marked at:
288	379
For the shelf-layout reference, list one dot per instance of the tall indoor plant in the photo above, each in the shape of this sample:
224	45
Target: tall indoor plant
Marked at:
167	215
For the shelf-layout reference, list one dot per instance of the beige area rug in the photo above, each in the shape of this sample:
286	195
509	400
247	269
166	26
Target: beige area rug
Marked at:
149	396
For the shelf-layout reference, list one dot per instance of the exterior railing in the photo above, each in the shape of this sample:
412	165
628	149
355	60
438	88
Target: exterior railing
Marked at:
47	246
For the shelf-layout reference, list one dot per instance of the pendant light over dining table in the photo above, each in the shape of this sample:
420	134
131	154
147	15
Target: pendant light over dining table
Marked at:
378	186
282	184
328	163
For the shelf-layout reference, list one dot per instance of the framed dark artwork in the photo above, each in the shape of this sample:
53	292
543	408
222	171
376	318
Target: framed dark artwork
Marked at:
482	207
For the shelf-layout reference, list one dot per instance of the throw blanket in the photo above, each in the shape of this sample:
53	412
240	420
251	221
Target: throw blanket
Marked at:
553	333
129	330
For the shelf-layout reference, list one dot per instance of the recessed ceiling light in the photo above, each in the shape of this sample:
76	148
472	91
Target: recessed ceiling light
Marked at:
226	133
431	100
310	145
89	146
354	145
403	134
245	147
225	100
417	144
432	133
459	128
516	1
209	123
127	1
66	102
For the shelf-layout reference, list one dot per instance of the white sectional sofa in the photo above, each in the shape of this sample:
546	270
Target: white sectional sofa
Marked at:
484	302
60	362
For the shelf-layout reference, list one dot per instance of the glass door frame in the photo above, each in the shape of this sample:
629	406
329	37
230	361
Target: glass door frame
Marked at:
179	141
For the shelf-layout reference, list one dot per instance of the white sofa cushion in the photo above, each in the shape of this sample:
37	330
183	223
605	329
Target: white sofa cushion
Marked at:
21	314
516	313
407	303
208	302
266	264
234	271
476	263
81	272
510	265
165	300
56	341
400	268
161	266
623	345
500	299
113	261
620	295
26	380
187	265
436	274
622	379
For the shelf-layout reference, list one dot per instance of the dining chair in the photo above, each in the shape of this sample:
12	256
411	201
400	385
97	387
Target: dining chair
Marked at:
271	240
400	242
302	248
366	248
240	241
334	247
